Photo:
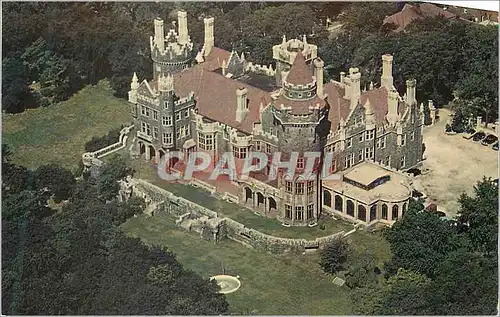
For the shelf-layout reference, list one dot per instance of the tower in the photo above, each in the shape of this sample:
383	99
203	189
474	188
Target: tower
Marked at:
284	55
171	53
297	112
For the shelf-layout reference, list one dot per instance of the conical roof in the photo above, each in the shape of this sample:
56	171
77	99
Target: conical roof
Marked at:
299	72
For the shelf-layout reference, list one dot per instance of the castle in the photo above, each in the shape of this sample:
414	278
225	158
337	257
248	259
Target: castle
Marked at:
216	101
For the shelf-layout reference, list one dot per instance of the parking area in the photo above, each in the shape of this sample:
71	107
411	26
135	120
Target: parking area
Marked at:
455	165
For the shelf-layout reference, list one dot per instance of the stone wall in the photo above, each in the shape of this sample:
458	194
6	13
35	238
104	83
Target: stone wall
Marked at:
165	201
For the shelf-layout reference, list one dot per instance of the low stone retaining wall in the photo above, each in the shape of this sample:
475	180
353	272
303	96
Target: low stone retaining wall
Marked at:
181	207
92	158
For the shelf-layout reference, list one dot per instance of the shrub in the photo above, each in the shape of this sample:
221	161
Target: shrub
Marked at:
333	256
97	143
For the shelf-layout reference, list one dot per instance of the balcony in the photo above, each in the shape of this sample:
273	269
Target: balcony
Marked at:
144	136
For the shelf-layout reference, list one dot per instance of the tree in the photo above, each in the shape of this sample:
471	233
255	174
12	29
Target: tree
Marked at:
478	216
16	94
79	262
57	181
333	256
404	294
466	283
420	241
110	174
365	18
479	72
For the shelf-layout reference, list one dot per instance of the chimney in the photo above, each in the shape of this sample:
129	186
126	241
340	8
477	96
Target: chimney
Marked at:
411	92
342	76
387	80
392	105
209	35
318	74
159	35
355	77
183	28
241	104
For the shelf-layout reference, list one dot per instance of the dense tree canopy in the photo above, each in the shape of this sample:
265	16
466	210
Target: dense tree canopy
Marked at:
440	267
78	262
63	46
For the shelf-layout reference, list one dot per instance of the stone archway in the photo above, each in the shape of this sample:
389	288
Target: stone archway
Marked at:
373	212
260	199
350	208
150	152
362	213
142	148
395	211
271	203
339	203
385	211
248	194
327	198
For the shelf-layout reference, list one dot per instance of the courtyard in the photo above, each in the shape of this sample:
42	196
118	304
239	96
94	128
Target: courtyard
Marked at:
455	165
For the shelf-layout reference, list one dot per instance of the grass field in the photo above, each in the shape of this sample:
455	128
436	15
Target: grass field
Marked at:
57	134
271	284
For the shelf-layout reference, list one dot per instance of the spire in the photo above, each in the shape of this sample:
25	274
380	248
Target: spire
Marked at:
135	82
304	39
371	85
299	72
242	58
284	39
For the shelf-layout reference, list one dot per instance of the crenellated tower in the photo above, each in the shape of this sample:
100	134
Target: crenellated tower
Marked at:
284	55
173	52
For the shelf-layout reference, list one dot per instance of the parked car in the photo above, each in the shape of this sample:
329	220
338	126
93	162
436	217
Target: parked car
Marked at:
478	136
495	146
489	140
469	134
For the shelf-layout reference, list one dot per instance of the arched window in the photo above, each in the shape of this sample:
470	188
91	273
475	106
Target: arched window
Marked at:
350	208
339	203
395	211
361	212
384	211
373	212
327	198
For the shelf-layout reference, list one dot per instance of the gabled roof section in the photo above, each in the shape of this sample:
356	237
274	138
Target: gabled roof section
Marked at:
412	12
145	89
299	72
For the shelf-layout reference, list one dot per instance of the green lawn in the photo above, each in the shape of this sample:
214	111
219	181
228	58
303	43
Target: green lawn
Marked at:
291	284
57	134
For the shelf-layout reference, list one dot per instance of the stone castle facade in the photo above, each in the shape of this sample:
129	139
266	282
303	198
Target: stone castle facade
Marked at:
215	101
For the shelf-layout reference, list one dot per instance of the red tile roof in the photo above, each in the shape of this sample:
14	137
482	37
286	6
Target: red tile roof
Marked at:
414	12
299	72
340	107
214	60
216	96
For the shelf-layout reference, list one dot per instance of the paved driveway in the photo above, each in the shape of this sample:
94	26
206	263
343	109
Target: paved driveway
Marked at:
455	165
